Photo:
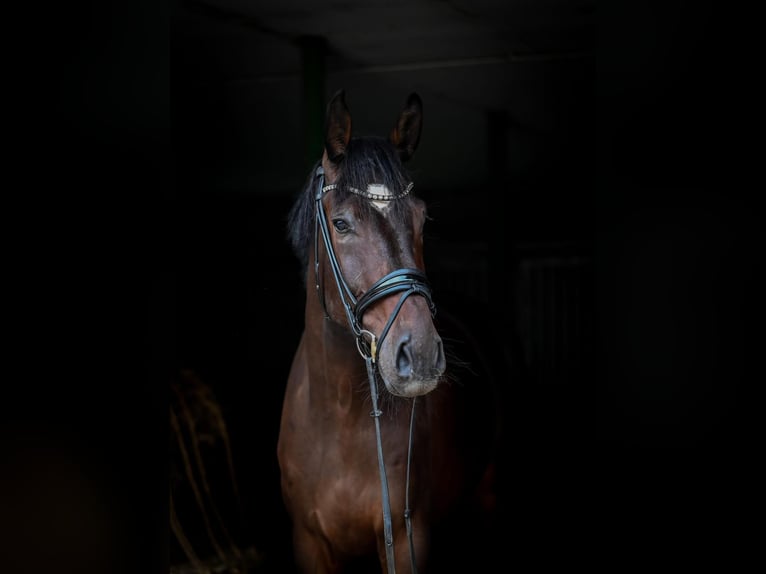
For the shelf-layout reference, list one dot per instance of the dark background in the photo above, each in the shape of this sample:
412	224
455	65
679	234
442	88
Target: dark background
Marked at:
590	190
573	160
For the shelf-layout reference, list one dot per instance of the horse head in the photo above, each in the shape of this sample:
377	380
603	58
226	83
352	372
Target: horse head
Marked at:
369	248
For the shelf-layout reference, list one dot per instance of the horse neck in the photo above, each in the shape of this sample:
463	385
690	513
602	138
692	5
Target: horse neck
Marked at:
337	372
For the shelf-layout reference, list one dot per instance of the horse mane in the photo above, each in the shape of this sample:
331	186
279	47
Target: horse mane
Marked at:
368	159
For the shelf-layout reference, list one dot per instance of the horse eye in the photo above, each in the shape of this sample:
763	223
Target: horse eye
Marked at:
341	226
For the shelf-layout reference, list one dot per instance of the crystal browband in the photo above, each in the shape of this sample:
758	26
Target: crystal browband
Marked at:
372	188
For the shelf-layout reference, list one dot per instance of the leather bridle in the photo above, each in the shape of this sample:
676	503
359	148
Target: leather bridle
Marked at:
407	281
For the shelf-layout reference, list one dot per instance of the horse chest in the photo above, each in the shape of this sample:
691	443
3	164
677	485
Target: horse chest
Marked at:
347	502
341	494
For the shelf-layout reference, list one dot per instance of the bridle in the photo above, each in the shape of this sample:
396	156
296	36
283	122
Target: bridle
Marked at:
406	281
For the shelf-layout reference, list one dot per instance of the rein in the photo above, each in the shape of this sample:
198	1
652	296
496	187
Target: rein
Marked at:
406	281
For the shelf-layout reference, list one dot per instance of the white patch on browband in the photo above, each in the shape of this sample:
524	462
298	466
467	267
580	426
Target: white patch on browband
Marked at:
379	189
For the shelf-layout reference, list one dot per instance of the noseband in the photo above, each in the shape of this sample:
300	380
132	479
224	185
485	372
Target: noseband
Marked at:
406	281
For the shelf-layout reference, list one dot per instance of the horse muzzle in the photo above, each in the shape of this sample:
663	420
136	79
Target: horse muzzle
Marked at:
412	365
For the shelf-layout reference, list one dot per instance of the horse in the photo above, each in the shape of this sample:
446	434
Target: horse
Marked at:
387	428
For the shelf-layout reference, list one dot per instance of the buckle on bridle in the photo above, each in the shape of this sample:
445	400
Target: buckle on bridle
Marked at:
371	348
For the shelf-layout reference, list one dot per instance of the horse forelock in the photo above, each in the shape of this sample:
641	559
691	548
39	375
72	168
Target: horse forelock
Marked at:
372	160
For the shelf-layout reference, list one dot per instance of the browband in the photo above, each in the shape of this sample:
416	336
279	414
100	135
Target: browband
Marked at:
370	194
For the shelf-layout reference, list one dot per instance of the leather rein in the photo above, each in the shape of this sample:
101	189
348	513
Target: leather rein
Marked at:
406	281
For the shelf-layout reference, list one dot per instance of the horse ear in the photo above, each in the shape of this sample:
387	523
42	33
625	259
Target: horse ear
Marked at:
337	127
406	134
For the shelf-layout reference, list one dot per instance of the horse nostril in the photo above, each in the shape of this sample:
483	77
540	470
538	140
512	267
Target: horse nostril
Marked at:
404	358
441	361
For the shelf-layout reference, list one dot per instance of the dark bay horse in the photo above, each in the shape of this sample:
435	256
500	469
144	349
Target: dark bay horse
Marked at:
386	432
